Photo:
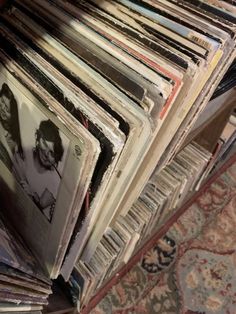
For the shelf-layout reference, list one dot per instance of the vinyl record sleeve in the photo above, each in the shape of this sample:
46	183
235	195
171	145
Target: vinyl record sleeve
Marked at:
13	288
25	277
158	13
68	179
129	248
80	281
17	298
15	254
145	213
213	21
9	307
90	282
95	202
223	6
211	12
24	284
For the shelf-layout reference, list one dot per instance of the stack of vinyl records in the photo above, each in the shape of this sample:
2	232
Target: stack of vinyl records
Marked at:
163	193
95	97
23	285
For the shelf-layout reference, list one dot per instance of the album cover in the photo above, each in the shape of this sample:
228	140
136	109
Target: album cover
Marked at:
51	162
81	281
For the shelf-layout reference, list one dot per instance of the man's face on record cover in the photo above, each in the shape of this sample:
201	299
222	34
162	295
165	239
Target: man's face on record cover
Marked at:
46	153
48	149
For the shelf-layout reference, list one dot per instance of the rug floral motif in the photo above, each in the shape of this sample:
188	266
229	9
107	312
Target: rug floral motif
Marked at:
192	269
207	282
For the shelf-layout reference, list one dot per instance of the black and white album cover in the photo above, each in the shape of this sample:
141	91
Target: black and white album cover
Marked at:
45	167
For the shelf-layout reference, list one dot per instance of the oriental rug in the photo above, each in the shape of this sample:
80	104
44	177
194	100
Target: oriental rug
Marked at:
189	267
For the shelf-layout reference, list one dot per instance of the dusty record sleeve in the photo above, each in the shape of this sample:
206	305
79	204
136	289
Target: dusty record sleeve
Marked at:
48	170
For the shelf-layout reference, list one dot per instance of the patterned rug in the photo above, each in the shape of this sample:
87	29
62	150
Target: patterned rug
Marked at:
192	268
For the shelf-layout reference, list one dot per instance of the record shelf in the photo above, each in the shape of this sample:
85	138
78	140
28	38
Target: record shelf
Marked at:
113	114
